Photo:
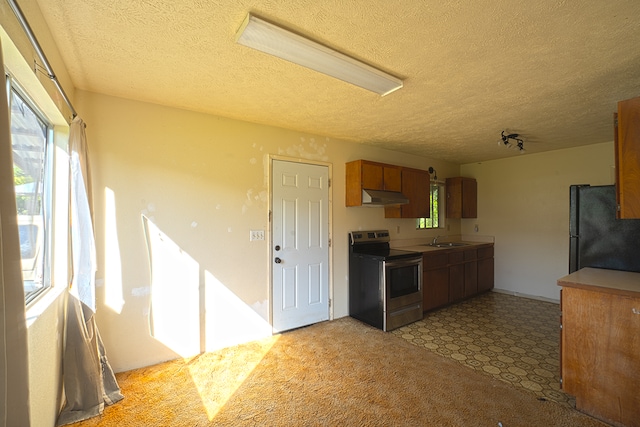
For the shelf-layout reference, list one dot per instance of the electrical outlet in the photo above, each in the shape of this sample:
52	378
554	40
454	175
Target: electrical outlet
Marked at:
256	235
475	228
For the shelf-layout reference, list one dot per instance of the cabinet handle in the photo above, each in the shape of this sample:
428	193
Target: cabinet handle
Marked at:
635	311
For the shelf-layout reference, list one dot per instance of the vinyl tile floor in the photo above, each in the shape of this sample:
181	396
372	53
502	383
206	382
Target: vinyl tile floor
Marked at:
514	339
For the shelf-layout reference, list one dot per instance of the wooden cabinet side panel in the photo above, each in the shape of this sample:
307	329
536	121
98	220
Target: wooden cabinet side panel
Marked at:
353	193
601	354
628	158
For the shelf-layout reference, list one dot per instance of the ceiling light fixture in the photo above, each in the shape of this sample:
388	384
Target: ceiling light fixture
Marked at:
269	38
505	140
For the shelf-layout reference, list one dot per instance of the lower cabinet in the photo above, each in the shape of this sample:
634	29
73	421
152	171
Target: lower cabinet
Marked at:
600	347
485	269
451	275
435	280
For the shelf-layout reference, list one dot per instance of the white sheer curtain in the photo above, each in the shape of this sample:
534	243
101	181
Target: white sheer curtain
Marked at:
14	373
89	382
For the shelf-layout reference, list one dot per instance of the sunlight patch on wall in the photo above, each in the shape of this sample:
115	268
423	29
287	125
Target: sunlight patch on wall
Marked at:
113	297
229	320
175	309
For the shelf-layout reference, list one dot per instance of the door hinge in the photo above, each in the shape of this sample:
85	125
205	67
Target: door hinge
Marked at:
270	214
329	182
330	302
329	241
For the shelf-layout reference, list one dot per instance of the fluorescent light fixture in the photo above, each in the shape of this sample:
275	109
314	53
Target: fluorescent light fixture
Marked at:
271	39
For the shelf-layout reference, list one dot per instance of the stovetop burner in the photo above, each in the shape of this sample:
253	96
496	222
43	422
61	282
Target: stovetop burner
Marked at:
376	245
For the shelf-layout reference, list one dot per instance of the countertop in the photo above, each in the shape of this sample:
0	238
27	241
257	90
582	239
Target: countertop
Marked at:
603	280
427	248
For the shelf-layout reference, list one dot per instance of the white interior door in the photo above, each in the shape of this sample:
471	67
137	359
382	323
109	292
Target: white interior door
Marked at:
300	244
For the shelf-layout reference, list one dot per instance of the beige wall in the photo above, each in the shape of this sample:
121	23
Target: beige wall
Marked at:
524	202
203	183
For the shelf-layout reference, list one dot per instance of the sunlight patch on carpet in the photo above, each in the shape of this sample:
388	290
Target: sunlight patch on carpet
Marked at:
233	367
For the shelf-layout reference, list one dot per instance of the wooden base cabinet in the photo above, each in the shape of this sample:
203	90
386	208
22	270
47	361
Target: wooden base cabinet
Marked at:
486	274
452	275
600	345
435	280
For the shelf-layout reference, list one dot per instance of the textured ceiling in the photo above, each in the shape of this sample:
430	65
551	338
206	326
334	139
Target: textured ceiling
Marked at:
551	70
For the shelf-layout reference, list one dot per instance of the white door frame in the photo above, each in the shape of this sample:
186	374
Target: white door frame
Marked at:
329	166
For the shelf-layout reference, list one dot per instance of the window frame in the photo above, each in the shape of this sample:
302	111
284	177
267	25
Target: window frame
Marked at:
14	88
423	223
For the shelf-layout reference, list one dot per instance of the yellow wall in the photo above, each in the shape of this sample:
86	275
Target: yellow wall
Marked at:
524	202
203	183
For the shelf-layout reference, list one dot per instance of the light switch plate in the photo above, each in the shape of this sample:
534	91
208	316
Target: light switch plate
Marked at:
256	235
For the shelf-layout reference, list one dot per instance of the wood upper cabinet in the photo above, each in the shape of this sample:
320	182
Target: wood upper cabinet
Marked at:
364	174
627	147
416	185
413	183
462	198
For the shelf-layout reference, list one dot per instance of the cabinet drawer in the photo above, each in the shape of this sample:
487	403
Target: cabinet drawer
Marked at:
456	257
485	252
470	255
434	260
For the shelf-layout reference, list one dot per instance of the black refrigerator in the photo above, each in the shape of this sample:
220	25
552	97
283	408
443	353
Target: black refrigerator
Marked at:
598	238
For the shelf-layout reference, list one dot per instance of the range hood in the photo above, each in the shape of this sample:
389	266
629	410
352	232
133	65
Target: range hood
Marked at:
383	198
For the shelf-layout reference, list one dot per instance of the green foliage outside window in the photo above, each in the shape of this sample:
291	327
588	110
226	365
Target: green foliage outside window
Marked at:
434	221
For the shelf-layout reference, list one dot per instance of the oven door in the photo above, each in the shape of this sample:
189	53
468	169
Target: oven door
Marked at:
403	291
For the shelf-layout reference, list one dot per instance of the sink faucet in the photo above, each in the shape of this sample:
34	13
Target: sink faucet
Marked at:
435	240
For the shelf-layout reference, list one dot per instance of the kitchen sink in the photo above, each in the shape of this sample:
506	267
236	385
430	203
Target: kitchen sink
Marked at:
446	244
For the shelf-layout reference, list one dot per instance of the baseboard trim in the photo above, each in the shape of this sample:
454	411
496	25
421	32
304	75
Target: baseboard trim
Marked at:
518	294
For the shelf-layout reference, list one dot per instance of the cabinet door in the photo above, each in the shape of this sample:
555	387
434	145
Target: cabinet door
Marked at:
435	280
469	198
392	178
372	176
454	197
627	147
485	273
416	186
456	282
435	291
462	198
470	272
600	354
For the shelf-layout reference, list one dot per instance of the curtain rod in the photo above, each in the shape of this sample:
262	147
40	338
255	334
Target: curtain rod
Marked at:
34	42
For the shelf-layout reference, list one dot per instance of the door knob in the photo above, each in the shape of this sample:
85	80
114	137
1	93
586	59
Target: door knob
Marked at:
278	260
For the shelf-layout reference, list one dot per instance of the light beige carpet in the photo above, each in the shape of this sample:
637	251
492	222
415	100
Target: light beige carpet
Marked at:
339	373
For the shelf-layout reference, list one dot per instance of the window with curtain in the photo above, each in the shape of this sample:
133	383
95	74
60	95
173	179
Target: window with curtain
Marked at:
437	189
31	137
